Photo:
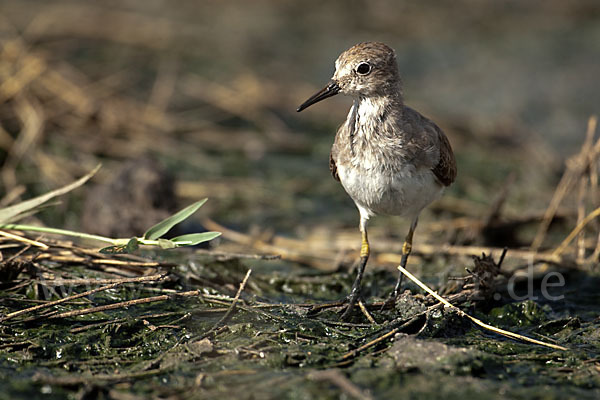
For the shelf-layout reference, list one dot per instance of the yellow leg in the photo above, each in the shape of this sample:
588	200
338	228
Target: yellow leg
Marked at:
407	246
364	256
406	249
364	248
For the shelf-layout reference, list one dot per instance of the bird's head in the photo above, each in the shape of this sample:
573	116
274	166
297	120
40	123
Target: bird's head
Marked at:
366	69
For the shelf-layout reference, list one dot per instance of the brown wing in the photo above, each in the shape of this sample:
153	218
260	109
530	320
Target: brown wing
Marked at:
424	138
445	170
333	168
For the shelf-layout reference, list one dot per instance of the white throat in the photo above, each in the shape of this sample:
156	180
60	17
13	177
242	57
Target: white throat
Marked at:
365	117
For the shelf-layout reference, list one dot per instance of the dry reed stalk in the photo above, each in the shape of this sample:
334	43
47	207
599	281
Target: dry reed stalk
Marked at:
321	260
580	242
576	231
576	167
25	240
583	188
595	202
298	250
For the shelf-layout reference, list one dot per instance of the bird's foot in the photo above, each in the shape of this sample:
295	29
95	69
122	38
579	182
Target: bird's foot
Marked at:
347	306
391	300
317	308
350	303
354	295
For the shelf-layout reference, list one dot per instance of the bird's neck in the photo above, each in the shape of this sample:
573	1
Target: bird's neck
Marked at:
372	115
376	108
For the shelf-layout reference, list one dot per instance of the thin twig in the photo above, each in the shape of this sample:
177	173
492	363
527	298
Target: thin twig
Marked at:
565	243
371	343
79	282
225	256
87	293
387	335
24	240
595	196
366	313
18	253
501	259
125	304
119	320
225	317
580	242
475	320
104	261
582	190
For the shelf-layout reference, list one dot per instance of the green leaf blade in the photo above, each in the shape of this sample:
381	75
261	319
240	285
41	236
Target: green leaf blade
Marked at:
194	238
132	245
13	213
129	248
165	225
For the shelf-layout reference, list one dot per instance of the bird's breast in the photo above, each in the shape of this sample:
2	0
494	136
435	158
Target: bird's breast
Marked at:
402	190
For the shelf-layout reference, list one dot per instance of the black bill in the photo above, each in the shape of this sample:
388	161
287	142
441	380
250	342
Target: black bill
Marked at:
330	90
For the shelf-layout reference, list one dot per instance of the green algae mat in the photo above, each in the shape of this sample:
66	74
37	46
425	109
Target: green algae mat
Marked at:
207	325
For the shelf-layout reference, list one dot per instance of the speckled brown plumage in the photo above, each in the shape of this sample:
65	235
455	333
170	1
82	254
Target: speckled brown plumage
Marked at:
445	170
333	168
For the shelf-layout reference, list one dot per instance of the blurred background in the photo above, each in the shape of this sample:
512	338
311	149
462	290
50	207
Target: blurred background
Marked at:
191	99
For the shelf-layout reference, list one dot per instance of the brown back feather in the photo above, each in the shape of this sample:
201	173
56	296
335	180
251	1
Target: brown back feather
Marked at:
445	170
333	168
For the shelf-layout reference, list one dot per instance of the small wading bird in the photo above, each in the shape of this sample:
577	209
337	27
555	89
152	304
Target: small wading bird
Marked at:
388	157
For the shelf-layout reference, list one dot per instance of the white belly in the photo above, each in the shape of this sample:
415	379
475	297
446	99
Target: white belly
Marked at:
404	192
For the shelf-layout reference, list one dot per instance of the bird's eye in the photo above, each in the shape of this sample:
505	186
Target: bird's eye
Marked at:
363	68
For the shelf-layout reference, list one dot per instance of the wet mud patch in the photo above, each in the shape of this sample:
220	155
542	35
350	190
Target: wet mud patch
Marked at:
209	345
